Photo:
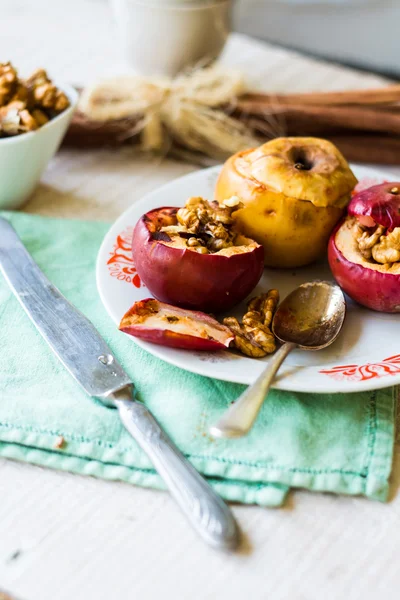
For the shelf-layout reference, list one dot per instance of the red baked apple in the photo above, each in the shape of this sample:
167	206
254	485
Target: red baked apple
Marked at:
168	325
202	276
364	249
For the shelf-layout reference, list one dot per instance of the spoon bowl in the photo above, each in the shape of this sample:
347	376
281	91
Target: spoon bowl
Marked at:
311	318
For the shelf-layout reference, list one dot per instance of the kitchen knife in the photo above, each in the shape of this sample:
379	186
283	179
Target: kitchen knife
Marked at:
91	362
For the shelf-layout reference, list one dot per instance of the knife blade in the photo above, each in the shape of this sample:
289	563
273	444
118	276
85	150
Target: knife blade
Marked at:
88	358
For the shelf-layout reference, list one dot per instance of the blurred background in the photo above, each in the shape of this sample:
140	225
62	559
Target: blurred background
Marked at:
277	46
363	33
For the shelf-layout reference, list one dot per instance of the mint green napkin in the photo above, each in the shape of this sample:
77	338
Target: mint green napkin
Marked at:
337	443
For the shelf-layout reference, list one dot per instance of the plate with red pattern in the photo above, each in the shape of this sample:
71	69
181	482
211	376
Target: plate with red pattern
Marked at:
365	356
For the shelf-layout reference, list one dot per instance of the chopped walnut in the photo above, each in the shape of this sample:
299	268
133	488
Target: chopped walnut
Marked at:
367	240
61	102
208	223
40	117
194	242
242	342
189	219
21	94
27	121
222	213
194	201
45	94
201	250
220	236
27	105
387	250
8	82
16	119
253	337
378	245
216	244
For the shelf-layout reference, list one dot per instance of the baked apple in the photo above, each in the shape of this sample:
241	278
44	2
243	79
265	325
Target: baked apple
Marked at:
192	257
364	250
294	190
168	325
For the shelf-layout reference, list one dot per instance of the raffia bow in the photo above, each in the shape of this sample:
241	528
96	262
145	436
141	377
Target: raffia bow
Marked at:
185	109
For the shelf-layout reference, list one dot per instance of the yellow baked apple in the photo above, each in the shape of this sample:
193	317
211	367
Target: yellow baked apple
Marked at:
294	191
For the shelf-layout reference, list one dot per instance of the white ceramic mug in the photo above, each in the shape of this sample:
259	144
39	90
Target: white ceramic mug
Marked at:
163	37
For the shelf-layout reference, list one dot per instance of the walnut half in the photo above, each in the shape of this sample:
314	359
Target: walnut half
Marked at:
387	250
378	244
367	240
253	337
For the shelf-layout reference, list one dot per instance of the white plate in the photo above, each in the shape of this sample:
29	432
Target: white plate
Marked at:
365	356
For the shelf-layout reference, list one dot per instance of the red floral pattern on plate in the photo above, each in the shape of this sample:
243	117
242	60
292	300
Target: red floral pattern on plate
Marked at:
120	264
388	366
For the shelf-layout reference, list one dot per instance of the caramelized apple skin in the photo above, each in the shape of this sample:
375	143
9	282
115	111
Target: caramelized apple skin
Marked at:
290	211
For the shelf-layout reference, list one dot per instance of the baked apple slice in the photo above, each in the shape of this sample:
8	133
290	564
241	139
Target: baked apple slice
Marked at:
168	325
192	257
364	250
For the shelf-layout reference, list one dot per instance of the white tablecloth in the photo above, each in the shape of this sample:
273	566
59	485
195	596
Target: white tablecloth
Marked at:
66	537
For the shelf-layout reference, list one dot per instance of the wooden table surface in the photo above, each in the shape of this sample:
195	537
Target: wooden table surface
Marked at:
65	537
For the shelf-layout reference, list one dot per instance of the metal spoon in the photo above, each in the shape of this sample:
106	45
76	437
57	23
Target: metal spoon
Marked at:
310	318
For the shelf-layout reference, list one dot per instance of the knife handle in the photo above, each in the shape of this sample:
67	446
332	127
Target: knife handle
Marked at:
206	511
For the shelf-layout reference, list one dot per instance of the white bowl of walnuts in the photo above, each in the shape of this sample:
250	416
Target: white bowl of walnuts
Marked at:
34	116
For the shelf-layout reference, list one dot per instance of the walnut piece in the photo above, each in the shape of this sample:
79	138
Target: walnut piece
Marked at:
40	117
387	250
253	337
209	224
21	94
377	244
16	119
189	219
367	240
44	93
242	342
8	82
27	105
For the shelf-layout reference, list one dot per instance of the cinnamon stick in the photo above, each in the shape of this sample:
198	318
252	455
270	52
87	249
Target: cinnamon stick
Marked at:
385	95
349	117
363	148
357	146
361	133
85	133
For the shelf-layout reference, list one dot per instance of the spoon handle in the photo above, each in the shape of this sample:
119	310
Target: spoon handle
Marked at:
239	418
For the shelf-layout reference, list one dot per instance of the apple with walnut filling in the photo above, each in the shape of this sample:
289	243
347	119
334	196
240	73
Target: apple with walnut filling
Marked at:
364	250
193	257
